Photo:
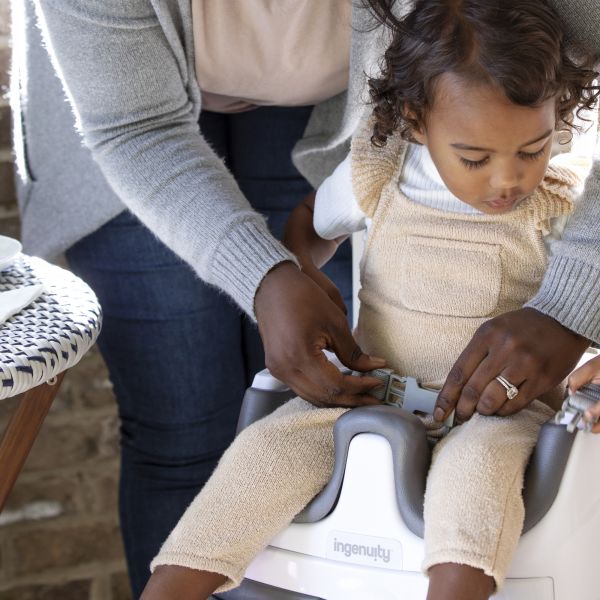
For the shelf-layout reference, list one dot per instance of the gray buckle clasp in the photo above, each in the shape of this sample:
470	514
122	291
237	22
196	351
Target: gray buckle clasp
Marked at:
406	393
573	409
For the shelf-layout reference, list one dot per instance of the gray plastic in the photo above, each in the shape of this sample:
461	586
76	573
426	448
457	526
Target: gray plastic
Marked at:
417	398
260	403
545	471
412	398
411	458
406	393
253	590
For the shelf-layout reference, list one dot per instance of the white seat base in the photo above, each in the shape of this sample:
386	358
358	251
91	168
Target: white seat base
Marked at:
335	558
332	580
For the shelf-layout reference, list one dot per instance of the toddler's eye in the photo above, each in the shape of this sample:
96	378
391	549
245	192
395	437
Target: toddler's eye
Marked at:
474	164
532	155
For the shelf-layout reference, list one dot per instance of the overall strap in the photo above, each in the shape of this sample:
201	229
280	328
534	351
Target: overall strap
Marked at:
554	196
373	167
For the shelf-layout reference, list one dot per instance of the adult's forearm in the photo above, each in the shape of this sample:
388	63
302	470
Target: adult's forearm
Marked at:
135	105
570	292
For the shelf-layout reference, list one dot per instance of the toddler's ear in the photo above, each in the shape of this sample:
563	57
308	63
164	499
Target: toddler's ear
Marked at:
417	131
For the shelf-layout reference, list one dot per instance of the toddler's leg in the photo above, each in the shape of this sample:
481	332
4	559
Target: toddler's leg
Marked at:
473	503
270	472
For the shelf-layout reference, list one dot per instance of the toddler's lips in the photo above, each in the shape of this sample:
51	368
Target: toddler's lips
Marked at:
502	202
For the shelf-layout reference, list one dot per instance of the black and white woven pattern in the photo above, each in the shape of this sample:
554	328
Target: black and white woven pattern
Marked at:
52	333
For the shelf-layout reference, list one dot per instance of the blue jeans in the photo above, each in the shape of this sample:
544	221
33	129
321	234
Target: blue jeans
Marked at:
180	354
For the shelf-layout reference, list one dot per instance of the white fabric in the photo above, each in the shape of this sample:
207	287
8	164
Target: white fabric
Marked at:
14	301
421	182
337	212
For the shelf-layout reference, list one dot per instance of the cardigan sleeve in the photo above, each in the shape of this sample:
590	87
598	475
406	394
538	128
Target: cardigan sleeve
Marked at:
130	90
570	291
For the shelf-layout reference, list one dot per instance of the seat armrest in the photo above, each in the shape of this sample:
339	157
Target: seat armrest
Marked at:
258	403
545	471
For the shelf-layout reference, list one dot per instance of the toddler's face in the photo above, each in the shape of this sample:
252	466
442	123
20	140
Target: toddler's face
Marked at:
490	152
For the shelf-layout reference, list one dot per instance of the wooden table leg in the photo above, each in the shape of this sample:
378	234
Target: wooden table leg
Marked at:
21	432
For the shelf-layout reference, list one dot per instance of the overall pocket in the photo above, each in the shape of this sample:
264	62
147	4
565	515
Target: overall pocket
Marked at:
450	277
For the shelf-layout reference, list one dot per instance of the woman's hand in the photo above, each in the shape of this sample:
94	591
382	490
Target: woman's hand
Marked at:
587	373
531	350
297	321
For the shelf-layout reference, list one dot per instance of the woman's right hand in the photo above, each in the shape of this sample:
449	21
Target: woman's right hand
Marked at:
297	321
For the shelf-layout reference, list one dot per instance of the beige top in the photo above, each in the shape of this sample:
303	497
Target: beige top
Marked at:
270	52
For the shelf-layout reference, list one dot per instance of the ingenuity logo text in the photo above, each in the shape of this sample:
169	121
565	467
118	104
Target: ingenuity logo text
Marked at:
375	552
346	546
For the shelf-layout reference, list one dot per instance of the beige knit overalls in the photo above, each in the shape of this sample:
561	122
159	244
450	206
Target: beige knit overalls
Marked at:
429	279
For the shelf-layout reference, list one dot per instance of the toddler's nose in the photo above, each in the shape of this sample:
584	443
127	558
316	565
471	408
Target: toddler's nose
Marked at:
505	180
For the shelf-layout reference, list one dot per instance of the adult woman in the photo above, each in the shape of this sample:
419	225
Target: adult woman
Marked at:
133	75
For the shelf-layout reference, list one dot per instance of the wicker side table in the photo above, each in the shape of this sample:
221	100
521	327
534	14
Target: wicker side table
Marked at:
37	346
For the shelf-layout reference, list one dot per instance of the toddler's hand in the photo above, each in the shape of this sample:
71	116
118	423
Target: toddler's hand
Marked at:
587	373
326	285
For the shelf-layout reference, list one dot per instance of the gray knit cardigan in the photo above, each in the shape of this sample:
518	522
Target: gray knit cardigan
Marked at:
127	70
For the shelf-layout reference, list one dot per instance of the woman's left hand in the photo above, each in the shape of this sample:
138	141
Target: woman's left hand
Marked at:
531	350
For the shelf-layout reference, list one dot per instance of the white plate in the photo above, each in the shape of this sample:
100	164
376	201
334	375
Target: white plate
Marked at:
9	249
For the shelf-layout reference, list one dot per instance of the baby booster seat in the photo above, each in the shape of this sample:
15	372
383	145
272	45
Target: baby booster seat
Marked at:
361	537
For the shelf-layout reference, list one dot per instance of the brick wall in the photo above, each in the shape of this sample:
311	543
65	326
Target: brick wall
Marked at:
59	535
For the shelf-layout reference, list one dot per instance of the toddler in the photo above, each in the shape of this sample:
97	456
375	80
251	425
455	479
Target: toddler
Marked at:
450	176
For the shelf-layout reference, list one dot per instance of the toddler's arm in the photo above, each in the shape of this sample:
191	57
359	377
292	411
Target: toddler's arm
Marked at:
587	373
312	250
321	222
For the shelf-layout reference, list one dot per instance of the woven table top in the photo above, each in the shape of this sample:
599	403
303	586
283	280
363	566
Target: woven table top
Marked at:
52	333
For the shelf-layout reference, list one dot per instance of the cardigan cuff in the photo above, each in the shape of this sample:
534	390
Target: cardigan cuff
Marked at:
242	259
570	293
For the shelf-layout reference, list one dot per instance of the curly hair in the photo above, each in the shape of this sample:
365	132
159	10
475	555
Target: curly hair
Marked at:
516	45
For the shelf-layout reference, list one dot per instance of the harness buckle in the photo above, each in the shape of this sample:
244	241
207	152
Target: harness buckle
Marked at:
573	409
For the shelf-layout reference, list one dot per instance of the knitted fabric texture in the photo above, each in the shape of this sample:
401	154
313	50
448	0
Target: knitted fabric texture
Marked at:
473	505
267	476
474	508
195	209
429	280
